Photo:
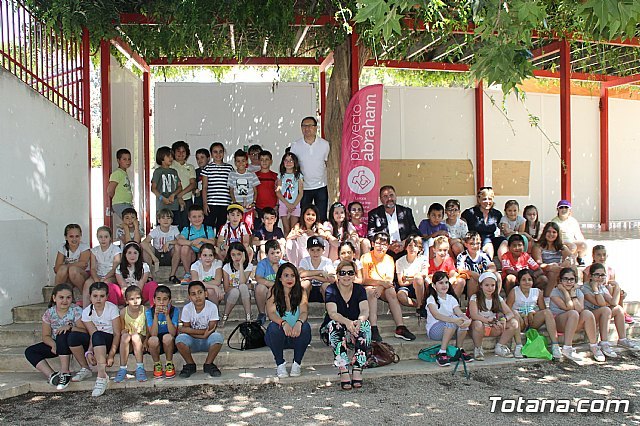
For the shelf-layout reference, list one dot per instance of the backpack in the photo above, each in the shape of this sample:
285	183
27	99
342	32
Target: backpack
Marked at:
252	336
381	354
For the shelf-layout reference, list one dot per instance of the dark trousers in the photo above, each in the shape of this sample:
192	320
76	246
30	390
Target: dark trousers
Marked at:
182	216
216	218
40	351
320	198
278	342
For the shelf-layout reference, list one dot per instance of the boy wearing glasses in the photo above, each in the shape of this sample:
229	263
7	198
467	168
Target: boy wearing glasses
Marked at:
378	270
457	227
570	230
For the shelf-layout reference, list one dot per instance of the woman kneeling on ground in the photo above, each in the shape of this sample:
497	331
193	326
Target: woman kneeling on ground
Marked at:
348	309
287	309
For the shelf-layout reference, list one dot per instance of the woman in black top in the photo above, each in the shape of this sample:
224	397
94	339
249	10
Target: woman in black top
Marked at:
484	219
348	309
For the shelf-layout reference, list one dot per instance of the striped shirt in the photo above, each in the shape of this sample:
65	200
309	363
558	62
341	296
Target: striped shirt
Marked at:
217	177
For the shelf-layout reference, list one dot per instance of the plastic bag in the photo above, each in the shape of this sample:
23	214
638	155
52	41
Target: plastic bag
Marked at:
536	346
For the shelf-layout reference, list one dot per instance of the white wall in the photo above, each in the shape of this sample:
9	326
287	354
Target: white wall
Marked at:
235	114
45	187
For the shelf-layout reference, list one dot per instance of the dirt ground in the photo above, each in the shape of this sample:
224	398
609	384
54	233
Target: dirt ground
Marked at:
440	399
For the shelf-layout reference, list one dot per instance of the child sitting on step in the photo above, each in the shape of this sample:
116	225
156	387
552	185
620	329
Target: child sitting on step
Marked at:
134	331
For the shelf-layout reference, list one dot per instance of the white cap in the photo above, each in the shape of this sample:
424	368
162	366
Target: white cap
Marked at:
486	275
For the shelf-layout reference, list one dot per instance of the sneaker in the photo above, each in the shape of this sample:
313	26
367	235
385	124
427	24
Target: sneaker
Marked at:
605	347
421	313
174	280
262	318
169	371
214	371
157	369
84	373
187	370
54	378
224	320
443	359
503	351
141	375
375	334
121	375
100	387
465	356
570	353
281	371
296	370
597	353
186	279
517	352
403	332
65	379
556	353
248	317
628	318
628	344
478	354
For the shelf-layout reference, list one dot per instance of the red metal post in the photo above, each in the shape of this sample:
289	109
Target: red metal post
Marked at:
105	91
565	120
323	100
146	114
355	64
604	159
479	107
86	106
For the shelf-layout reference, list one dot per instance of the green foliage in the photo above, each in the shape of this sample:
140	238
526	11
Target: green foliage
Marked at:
609	19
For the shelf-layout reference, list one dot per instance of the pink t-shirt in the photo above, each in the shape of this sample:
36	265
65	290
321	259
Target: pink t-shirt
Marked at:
361	229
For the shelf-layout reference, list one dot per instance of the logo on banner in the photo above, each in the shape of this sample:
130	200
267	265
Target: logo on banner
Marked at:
361	180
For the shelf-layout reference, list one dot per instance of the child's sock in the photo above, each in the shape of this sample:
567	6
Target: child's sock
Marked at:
139	365
123	367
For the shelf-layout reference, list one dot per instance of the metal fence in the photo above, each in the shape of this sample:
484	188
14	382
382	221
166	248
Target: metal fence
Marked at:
43	58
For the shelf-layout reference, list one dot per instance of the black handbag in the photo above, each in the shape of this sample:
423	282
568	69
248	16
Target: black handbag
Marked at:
252	336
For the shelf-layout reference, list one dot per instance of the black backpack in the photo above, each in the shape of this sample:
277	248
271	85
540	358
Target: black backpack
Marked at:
252	336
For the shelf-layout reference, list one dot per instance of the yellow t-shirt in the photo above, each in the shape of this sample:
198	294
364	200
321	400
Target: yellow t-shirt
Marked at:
382	270
186	172
124	192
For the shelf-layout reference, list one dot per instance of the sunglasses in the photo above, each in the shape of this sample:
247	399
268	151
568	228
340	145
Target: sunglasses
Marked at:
350	272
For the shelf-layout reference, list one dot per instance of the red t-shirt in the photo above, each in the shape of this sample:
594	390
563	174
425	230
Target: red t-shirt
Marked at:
524	261
447	266
266	194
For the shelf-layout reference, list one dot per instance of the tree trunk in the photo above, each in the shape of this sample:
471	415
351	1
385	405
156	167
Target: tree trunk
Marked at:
338	97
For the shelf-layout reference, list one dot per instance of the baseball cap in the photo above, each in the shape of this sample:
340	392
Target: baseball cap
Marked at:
563	203
486	275
315	242
235	207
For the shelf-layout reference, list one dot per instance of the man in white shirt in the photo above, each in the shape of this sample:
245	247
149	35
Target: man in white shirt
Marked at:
313	152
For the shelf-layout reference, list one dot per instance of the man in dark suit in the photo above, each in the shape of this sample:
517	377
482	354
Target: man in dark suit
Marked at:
392	218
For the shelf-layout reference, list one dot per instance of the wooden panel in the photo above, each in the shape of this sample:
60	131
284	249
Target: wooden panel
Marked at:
510	177
428	177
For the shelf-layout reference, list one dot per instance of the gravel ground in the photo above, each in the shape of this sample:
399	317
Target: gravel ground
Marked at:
439	398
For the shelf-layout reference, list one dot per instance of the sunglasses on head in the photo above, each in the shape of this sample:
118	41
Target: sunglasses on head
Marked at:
350	272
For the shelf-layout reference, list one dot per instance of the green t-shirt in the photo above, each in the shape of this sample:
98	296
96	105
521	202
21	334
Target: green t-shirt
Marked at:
124	193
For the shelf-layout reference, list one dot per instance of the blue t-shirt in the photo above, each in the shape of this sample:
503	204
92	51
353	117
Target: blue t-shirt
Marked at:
289	187
426	228
350	309
265	235
191	233
265	270
291	317
162	320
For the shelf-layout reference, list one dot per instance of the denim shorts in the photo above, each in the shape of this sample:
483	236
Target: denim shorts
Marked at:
200	345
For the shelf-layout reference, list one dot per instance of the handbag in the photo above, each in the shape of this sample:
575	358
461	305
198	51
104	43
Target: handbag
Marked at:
536	346
252	336
381	354
429	354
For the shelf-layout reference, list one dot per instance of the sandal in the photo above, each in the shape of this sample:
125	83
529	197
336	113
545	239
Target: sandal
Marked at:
357	384
174	280
345	385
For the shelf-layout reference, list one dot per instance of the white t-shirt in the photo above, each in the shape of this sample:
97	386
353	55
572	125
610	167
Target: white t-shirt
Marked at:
131	280
104	259
393	227
325	265
488	313
234	277
73	256
102	322
313	160
208	275
199	320
159	237
419	266
447	305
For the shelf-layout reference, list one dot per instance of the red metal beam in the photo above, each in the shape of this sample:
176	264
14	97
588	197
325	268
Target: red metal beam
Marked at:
146	124
479	110
434	66
136	18
604	158
86	108
105	91
355	64
126	50
565	120
621	81
545	51
574	76
262	61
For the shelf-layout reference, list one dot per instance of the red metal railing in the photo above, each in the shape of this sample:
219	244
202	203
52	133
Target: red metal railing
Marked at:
43	58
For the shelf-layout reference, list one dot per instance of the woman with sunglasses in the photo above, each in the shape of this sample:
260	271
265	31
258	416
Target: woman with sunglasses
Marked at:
484	219
348	309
